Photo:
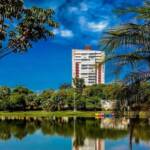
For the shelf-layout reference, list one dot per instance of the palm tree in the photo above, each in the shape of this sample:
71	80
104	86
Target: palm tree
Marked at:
135	36
79	84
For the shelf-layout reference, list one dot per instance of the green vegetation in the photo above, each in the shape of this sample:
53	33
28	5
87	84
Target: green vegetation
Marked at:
64	99
23	99
38	114
30	25
128	46
47	114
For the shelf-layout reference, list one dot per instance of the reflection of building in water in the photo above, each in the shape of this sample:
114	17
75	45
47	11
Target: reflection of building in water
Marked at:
146	143
115	123
90	144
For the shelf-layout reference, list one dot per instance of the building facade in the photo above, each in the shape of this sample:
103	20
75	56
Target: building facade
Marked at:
87	64
90	144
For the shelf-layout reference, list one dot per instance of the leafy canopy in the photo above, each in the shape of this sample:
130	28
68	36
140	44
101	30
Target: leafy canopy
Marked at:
21	26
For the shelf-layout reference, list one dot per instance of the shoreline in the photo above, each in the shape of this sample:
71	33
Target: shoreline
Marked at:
41	114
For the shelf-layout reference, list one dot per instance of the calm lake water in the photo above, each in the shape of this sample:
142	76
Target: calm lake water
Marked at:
74	134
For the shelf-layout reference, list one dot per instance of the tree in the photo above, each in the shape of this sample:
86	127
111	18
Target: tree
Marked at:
16	102
31	25
21	90
65	86
70	97
32	102
79	84
4	92
27	97
46	100
59	98
133	36
93	95
48	105
46	94
110	90
94	90
4	97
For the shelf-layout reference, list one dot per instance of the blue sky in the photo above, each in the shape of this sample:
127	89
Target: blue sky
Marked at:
48	63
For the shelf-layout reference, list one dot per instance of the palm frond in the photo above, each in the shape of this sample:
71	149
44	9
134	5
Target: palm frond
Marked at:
137	77
128	35
142	12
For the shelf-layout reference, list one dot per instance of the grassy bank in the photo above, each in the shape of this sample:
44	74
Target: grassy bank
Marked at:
47	114
36	114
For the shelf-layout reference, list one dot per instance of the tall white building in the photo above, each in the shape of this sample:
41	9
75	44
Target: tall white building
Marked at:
86	64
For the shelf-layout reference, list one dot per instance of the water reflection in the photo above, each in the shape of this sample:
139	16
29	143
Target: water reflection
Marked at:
85	133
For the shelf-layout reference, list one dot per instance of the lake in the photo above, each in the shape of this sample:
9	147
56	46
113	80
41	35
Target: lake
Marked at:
74	134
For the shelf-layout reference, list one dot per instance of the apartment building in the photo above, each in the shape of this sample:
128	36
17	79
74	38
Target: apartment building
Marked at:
87	64
90	144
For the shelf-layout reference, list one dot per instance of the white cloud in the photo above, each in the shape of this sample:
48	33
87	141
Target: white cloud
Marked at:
73	9
66	33
63	33
83	7
96	27
93	26
82	20
56	31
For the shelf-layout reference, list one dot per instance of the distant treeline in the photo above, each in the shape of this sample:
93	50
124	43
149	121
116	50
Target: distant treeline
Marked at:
67	97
